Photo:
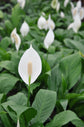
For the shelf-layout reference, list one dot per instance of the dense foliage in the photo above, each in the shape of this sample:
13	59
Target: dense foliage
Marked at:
57	96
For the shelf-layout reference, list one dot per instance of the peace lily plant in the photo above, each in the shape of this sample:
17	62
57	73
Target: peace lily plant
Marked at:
15	39
24	29
78	10
49	39
46	24
30	67
76	24
62	15
78	15
41	23
50	23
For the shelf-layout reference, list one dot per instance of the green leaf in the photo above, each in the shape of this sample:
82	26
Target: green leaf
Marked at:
44	103
54	80
76	44
1	14
27	115
6	121
4	55
9	26
19	99
63	118
11	65
34	86
64	103
5	42
1	97
37	125
70	67
7	82
14	110
17	12
8	65
19	109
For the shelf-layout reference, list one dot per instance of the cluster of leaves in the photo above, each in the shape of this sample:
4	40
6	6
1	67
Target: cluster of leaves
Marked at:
58	94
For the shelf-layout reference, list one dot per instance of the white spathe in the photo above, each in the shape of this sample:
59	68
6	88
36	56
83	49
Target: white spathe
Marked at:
30	55
78	10
58	7
21	3
75	11
15	39
76	24
81	13
12	33
41	22
18	123
24	29
79	4
55	5
66	3
72	5
49	39
50	23
62	14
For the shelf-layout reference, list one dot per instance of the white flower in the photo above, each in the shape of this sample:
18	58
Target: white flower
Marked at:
55	5
78	10
49	39
78	4
21	3
81	13
62	14
13	33
15	39
41	23
76	24
24	29
66	2
58	7
74	12
72	5
18	123
30	66
50	23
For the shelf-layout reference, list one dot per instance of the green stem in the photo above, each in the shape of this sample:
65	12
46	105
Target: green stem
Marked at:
28	101
47	56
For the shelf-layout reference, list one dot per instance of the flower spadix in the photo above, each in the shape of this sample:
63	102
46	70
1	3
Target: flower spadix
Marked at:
24	29
15	39
30	66
49	39
21	3
41	22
